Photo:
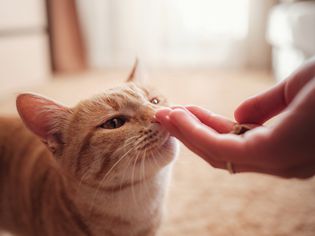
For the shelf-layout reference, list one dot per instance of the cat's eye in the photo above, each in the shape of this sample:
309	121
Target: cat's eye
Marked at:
114	123
155	101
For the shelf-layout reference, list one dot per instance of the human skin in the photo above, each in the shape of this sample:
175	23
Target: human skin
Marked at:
286	149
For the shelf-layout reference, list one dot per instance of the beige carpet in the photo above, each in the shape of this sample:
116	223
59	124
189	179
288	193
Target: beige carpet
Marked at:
204	201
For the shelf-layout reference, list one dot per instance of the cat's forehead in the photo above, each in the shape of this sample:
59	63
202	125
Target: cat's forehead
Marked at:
127	95
124	95
127	90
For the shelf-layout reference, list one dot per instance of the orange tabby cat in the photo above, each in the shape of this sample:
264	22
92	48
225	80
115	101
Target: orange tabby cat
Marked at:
102	171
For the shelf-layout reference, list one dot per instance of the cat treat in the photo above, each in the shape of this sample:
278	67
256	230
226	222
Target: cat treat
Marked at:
240	129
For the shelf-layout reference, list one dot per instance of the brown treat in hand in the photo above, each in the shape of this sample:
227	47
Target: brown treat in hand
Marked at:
240	129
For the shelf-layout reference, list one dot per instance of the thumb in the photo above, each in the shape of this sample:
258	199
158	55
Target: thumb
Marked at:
262	107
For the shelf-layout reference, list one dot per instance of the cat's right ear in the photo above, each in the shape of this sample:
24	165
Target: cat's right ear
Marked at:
44	118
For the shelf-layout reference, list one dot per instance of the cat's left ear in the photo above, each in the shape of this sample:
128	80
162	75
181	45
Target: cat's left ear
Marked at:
137	74
43	117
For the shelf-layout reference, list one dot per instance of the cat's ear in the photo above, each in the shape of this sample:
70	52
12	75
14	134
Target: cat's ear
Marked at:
43	117
137	74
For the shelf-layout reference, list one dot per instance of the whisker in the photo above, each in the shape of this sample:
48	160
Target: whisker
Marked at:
143	171
154	159
133	180
107	174
126	143
122	181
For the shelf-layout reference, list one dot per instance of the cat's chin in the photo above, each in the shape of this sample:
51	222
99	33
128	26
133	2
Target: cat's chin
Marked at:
166	152
170	144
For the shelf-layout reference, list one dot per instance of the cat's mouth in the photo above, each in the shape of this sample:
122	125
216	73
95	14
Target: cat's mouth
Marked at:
155	144
154	140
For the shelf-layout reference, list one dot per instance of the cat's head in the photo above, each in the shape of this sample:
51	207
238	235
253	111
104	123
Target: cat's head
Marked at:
112	135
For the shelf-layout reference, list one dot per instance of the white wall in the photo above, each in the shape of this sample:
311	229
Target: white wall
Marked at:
176	33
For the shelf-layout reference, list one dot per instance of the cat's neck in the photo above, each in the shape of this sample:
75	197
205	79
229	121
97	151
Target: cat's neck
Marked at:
137	207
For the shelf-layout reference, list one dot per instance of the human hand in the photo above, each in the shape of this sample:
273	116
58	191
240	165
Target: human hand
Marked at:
287	149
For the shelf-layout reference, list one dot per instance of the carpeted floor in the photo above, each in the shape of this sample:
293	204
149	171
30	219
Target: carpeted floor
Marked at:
203	201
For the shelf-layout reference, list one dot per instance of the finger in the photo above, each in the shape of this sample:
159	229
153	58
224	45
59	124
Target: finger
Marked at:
185	109
176	133
217	122
165	112
163	117
162	114
238	167
262	107
207	140
299	79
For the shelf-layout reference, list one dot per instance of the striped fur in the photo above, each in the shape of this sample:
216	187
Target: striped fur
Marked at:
78	178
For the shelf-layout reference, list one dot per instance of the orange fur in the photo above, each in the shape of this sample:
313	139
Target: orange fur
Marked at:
79	178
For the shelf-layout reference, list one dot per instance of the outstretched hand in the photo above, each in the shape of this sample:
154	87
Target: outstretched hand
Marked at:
287	149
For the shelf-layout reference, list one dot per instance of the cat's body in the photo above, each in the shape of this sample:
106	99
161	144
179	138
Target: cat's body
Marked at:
104	172
34	195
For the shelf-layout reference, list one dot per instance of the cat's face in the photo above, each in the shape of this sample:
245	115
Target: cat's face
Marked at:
114	137
110	139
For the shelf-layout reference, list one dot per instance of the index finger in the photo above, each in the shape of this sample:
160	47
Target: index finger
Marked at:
224	147
215	121
262	107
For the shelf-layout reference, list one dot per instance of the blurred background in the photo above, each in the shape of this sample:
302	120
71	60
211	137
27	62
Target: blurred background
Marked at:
205	52
39	38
